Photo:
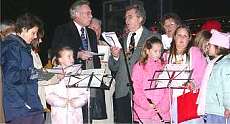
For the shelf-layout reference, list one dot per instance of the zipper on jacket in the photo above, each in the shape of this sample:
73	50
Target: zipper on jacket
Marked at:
218	99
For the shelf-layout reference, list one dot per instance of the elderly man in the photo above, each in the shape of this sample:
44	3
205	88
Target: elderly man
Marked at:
82	39
134	19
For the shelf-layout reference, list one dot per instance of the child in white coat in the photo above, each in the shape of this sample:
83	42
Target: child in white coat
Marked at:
66	103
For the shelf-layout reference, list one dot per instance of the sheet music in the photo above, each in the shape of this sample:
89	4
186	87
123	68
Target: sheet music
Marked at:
84	77
104	49
111	39
96	71
72	70
180	73
54	70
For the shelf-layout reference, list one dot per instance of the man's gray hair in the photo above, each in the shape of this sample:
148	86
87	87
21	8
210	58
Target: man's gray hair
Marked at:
98	21
75	6
140	10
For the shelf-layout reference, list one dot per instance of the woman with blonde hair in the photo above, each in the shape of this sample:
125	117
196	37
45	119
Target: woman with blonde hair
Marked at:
201	41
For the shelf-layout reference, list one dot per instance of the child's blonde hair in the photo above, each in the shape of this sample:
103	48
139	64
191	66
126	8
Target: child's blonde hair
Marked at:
59	52
147	46
202	37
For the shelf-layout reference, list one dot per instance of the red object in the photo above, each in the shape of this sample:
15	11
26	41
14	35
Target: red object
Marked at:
211	24
187	107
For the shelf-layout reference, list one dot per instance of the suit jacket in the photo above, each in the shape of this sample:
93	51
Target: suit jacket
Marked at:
68	35
119	67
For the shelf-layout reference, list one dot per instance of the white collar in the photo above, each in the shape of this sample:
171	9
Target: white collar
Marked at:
138	31
78	27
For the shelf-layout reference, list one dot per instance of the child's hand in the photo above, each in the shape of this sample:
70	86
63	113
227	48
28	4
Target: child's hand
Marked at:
189	85
72	102
66	102
62	102
61	76
227	113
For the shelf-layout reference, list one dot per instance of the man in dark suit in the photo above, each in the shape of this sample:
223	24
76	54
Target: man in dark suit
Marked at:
81	39
132	44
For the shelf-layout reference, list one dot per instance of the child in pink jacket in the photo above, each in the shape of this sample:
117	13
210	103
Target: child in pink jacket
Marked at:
143	71
66	103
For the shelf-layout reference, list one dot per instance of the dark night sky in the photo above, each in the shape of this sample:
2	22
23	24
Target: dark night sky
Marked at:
55	12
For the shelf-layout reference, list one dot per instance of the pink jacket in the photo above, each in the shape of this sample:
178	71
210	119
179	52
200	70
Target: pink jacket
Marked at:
140	76
56	96
199	64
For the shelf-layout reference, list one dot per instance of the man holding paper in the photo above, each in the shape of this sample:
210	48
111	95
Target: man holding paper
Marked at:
134	18
78	36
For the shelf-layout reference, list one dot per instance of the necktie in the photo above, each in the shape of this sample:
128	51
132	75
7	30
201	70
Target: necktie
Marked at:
132	43
84	39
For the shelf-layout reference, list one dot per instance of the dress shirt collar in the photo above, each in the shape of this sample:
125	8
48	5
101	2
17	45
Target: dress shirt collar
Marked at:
136	37
79	27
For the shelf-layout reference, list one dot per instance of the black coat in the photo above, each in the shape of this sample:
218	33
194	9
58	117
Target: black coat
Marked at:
68	35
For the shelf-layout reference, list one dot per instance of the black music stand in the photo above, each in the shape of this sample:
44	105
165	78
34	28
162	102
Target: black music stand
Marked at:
91	78
173	76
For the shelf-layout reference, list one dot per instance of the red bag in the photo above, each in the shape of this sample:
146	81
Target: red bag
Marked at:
186	106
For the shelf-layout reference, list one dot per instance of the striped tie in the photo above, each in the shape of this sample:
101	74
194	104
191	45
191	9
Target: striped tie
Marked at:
84	39
132	43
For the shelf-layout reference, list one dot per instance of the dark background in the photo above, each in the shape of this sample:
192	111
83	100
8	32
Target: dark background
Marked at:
55	12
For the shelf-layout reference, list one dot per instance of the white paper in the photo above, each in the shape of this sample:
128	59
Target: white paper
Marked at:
54	70
112	39
96	71
96	54
72	70
102	49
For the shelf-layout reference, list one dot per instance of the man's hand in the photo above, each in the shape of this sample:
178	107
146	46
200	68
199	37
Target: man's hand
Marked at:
115	52
84	55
